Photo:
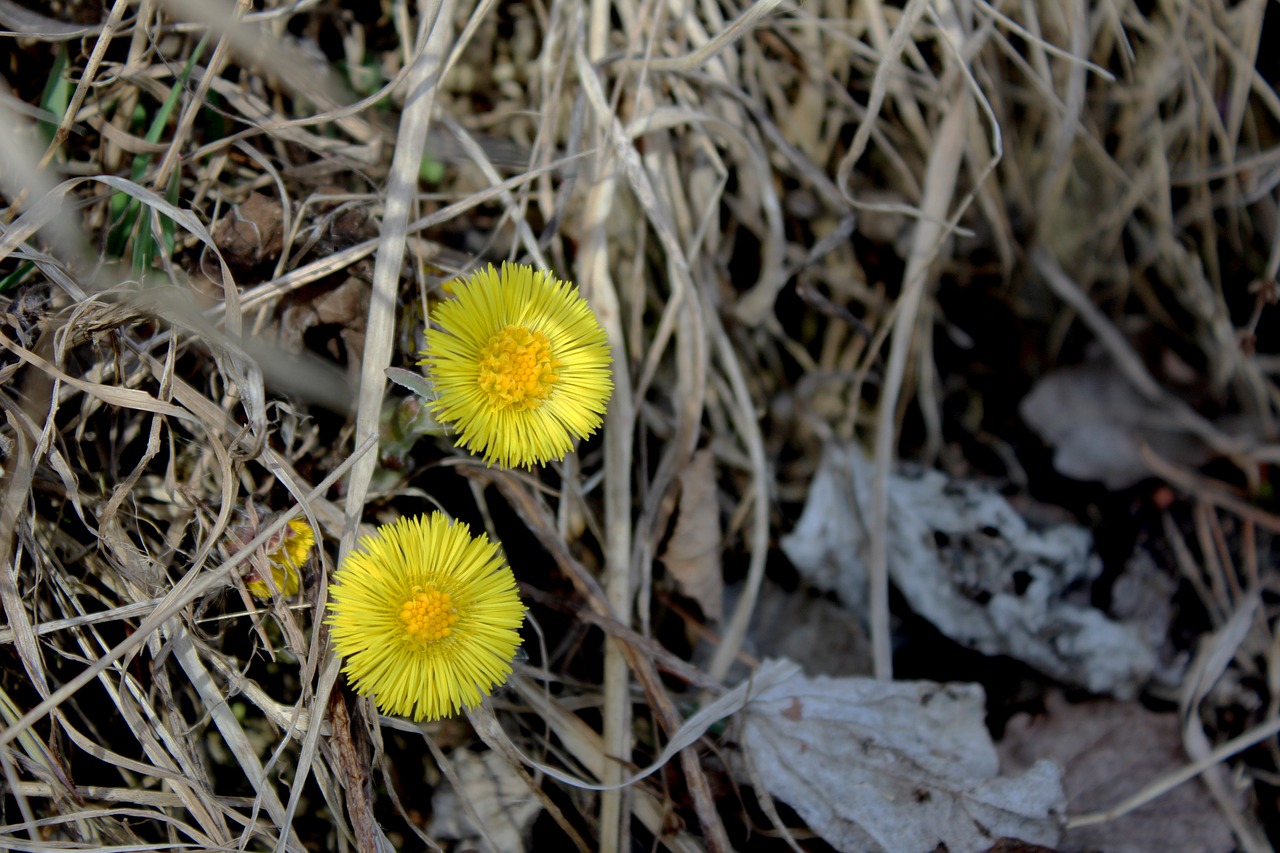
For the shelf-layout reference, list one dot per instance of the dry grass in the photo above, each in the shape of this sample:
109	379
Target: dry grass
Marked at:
771	208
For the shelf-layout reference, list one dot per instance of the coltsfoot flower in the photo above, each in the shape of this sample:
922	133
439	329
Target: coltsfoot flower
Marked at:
283	555
426	616
520	365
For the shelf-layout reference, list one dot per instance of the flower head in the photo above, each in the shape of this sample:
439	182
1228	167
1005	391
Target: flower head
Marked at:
281	556
520	365
426	616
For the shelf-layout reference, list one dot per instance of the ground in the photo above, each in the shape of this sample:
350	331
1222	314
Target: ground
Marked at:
944	397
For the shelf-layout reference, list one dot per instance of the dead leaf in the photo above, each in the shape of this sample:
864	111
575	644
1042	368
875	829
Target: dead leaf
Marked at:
1013	845
328	318
252	234
820	635
895	766
1097	424
498	796
693	553
1108	750
965	559
1143	597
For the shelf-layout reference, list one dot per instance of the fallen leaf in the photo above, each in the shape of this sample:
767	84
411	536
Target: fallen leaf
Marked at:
1097	424
252	234
692	557
1013	845
1107	751
965	559
1143	598
820	635
327	318
499	798
894	766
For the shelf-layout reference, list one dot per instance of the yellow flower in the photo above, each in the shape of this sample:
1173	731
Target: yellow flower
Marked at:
520	365
286	552
426	617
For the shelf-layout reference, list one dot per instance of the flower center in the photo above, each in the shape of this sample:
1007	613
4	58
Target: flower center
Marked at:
428	615
517	369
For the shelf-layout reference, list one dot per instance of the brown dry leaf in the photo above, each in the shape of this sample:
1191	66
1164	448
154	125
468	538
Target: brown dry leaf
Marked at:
252	234
693	553
335	316
1108	750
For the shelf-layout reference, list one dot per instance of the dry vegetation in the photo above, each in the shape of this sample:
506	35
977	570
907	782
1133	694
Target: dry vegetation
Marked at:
799	223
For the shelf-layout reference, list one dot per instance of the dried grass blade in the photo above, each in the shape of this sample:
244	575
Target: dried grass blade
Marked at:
719	42
940	183
17	495
105	34
25	23
237	741
276	56
402	183
770	673
747	426
886	70
619	426
191	587
21	179
124	398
